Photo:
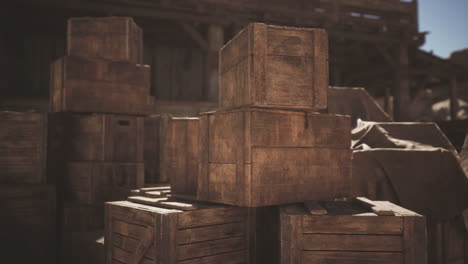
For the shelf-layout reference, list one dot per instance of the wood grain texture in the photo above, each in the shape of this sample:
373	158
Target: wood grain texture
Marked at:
352	242
257	157
348	224
91	85
95	182
272	66
415	239
180	154
111	38
337	257
23	144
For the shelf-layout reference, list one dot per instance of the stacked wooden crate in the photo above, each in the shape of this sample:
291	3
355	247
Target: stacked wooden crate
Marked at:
26	202
100	93
265	148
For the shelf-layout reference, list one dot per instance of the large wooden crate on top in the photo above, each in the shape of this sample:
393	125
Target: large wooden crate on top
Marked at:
180	155
345	232
111	38
23	138
257	157
138	233
94	85
28	221
273	66
98	182
96	137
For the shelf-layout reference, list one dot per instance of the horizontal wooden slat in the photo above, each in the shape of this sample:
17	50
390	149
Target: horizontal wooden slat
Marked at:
130	244
198	234
209	248
238	257
348	224
121	256
127	229
337	257
212	216
353	242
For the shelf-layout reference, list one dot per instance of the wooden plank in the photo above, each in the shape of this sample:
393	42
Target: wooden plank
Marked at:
415	240
291	238
236	257
177	205
128	229
145	200
212	216
315	208
378	208
337	257
348	224
156	188
352	242
321	71
209	248
90	37
199	234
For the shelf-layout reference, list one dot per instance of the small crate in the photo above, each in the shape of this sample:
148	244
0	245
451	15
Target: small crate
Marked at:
100	86
201	233
98	182
180	155
96	137
347	232
23	138
273	66
110	38
259	157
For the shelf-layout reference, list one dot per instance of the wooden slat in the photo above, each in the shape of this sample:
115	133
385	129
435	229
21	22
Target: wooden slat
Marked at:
198	234
339	257
315	208
130	244
209	248
378	208
291	237
353	242
415	240
237	257
212	216
348	224
128	229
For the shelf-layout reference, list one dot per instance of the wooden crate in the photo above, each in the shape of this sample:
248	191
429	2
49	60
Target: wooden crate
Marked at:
22	147
346	232
273	66
256	157
152	149
136	233
97	182
111	38
96	137
28	223
180	155
93	85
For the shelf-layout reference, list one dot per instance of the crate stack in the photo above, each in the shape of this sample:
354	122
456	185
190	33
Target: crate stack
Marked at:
266	148
27	203
100	93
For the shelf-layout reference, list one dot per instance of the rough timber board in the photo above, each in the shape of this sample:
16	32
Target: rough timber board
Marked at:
275	57
23	143
245	153
112	38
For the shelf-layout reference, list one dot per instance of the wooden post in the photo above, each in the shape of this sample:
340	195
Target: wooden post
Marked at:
453	98
402	84
215	43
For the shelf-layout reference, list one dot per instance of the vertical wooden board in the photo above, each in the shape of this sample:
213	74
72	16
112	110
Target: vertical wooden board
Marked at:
415	241
321	75
193	156
289	81
56	85
152	141
234	85
300	129
289	41
225	133
108	233
290	238
169	252
257	77
203	167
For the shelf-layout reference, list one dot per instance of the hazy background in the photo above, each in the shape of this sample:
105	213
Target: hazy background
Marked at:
447	22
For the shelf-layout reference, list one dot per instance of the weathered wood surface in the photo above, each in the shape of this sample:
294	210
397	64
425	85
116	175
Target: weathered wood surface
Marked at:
352	233
92	85
81	217
257	157
110	38
180	154
97	137
97	182
152	149
272	66
23	141
28	221
137	233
